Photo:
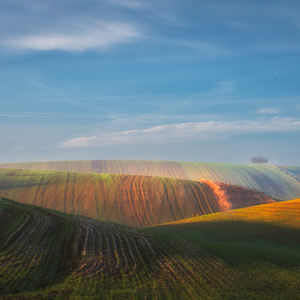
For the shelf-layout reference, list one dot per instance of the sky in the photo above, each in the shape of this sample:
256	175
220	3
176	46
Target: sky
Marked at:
184	80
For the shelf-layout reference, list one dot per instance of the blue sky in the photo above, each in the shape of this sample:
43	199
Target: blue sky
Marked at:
209	81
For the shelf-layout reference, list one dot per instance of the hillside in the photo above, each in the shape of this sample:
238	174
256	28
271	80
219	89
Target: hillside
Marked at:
132	200
234	196
45	254
285	214
261	241
247	231
292	171
267	179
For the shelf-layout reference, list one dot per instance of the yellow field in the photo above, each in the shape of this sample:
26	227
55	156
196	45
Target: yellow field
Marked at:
285	213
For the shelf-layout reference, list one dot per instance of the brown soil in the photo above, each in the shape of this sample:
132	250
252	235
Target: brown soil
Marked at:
235	196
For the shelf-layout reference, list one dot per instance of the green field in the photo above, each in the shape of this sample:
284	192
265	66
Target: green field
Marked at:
65	235
292	171
45	254
268	179
262	241
125	199
131	200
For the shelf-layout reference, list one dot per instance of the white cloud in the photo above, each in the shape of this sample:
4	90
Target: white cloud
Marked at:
23	115
186	132
99	35
81	142
128	3
266	110
18	149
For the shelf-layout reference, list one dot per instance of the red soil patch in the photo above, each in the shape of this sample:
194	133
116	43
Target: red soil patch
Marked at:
234	196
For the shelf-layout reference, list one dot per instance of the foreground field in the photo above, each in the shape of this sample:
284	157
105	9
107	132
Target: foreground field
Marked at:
263	241
45	254
270	180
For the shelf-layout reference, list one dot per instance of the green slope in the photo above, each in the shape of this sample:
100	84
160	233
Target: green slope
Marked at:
45	254
267	179
132	200
261	241
292	171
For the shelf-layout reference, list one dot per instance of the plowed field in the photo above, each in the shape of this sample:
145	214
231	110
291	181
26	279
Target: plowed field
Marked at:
46	254
267	179
132	200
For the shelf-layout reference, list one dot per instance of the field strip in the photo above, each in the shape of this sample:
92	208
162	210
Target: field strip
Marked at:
49	249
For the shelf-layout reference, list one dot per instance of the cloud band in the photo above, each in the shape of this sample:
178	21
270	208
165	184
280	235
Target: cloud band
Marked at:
186	132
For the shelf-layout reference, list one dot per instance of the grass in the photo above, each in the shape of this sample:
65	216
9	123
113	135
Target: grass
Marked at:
268	179
248	253
131	200
261	241
45	254
126	199
275	224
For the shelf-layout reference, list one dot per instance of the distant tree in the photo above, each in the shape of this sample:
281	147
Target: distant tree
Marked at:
259	160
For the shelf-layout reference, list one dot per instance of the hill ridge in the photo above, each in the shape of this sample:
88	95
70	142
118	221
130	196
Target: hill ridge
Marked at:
125	199
268	179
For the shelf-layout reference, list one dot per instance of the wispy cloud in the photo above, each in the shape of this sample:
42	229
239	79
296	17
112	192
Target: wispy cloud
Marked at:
239	25
23	115
201	47
134	4
18	149
37	83
267	110
186	132
98	36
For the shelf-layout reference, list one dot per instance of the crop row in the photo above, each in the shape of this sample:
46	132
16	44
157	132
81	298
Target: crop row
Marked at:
44	249
125	199
267	179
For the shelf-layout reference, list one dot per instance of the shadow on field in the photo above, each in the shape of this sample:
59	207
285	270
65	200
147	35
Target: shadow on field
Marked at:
238	241
11	186
16	180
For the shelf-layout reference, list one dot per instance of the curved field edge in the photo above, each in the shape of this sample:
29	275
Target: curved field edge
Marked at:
125	199
263	241
291	171
267	232
267	179
45	254
285	213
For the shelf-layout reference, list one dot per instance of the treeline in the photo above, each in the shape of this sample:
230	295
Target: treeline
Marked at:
259	160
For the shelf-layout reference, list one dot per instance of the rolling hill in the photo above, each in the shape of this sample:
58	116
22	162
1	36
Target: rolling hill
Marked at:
132	200
261	241
125	199
268	179
46	254
257	228
292	171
